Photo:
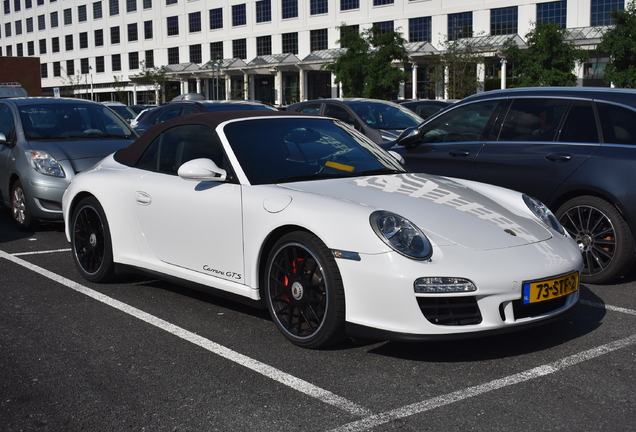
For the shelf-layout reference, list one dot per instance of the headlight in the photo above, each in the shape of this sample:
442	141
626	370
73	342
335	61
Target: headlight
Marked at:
44	163
401	235
544	213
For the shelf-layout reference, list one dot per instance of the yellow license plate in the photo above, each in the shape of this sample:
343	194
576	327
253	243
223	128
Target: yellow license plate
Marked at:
539	291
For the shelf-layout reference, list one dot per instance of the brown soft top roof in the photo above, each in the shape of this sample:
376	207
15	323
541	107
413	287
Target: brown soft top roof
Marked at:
131	154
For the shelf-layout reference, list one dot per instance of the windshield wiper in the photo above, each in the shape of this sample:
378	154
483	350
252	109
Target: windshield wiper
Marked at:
378	171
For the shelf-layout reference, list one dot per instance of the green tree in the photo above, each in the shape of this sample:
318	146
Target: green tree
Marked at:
152	77
365	69
549	59
458	63
620	43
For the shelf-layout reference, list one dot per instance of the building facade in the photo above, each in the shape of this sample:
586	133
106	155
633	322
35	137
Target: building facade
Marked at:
269	50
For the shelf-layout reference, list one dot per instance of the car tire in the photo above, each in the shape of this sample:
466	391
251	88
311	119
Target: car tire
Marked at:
20	210
605	240
91	241
304	291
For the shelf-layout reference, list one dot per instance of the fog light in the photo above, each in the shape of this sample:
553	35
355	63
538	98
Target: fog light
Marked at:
443	285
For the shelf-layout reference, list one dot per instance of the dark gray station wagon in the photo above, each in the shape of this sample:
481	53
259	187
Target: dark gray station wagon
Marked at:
573	148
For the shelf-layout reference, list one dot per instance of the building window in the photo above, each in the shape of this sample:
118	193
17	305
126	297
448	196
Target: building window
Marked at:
173	55
263	45
97	10
19	50
84	68
55	44
99	37
216	18
349	4
290	43
133	60
81	13
68	42
460	25
600	11
553	12
44	70
150	59
30	48
147	4
216	50
57	70
131	6
54	21
420	29
346	30
114	7
148	30
114	35
171	2
29	25
9	51
317	7
7	7
194	21
7	29
83	40
42	46
196	56
318	40
239	48
116	62
18	27
28	4
68	17
382	2
173	25
41	22
384	26
99	64
40	2
289	9
133	34
239	16
503	21
263	11
16	5
70	67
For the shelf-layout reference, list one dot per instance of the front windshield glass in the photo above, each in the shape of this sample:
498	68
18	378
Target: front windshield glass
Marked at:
386	116
72	121
276	150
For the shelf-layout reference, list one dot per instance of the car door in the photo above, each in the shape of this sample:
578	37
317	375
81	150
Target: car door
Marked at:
541	143
194	225
450	143
7	127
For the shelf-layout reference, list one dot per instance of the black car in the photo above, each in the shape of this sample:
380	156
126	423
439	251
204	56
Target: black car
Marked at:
381	121
425	107
573	148
176	109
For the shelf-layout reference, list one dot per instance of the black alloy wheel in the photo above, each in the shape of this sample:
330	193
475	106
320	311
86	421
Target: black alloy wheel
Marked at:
91	242
304	291
603	236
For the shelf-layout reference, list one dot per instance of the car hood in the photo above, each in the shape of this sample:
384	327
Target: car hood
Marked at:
439	206
81	154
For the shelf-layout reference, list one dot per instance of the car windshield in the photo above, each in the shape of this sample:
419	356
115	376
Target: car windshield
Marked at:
294	149
385	116
72	121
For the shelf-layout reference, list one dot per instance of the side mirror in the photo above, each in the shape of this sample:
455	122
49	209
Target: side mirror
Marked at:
409	138
3	139
201	170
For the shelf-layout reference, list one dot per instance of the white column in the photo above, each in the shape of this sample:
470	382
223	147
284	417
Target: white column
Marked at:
302	85
401	89
198	85
279	87
446	75
134	94
334	86
481	76
504	63
247	87
414	81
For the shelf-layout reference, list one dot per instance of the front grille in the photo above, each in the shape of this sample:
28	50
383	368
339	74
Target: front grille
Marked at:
534	309
450	311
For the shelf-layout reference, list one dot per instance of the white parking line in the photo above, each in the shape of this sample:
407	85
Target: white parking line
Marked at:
41	252
370	420
255	365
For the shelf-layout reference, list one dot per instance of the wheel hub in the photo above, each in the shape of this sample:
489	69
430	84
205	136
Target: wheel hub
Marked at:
585	241
93	240
297	290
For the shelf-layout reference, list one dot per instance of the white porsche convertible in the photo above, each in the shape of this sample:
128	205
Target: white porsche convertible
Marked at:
307	217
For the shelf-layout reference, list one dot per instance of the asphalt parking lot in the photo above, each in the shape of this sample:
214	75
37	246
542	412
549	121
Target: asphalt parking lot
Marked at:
145	355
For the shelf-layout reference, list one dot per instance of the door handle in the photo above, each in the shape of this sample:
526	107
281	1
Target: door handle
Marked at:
459	152
558	157
143	198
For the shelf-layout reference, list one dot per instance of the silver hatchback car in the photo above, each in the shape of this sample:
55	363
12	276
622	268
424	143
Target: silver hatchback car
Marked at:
44	142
